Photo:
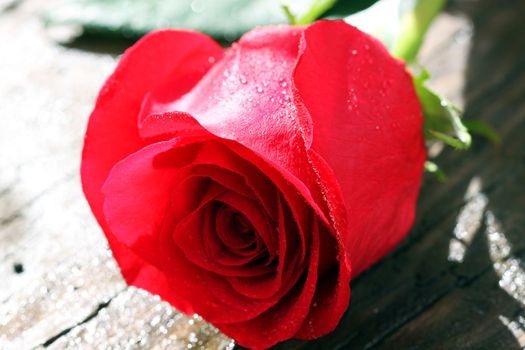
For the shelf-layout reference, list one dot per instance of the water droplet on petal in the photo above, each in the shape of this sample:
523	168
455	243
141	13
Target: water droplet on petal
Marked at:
354	52
259	89
242	79
211	59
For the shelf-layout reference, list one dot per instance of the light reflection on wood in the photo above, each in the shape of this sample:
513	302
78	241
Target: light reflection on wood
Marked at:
507	267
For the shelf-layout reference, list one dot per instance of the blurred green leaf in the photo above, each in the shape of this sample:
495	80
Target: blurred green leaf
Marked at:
481	128
225	20
442	119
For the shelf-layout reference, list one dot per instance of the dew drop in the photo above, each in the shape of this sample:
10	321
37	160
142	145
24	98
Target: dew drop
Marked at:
354	52
192	337
283	84
242	79
259	89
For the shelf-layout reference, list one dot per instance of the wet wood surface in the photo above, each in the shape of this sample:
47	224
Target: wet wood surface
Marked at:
456	282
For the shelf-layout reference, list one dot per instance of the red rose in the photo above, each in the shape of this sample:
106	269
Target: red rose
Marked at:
249	185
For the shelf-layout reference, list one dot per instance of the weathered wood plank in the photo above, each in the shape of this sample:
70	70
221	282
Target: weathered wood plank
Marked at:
447	286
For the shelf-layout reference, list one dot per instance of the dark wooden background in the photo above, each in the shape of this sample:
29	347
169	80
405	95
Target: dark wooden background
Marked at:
456	282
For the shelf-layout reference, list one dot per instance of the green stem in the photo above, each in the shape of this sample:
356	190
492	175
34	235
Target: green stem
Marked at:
414	25
318	8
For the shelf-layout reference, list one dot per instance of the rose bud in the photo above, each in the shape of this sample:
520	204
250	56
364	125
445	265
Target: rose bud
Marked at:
249	185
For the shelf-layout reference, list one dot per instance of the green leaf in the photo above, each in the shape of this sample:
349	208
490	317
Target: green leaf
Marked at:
225	20
442	119
481	128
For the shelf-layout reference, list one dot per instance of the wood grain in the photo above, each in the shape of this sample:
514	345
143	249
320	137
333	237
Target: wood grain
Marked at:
456	282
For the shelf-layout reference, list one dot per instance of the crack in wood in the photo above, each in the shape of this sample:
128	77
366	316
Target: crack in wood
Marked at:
91	316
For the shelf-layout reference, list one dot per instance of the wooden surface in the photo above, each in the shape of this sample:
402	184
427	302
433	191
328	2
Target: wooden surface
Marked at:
457	281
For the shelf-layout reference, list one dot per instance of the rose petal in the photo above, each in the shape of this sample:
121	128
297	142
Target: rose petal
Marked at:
218	153
332	294
112	133
286	317
289	268
227	227
249	98
133	222
125	213
367	127
192	235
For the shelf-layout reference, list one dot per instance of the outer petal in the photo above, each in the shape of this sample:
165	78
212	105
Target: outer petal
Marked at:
248	97
112	133
367	125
